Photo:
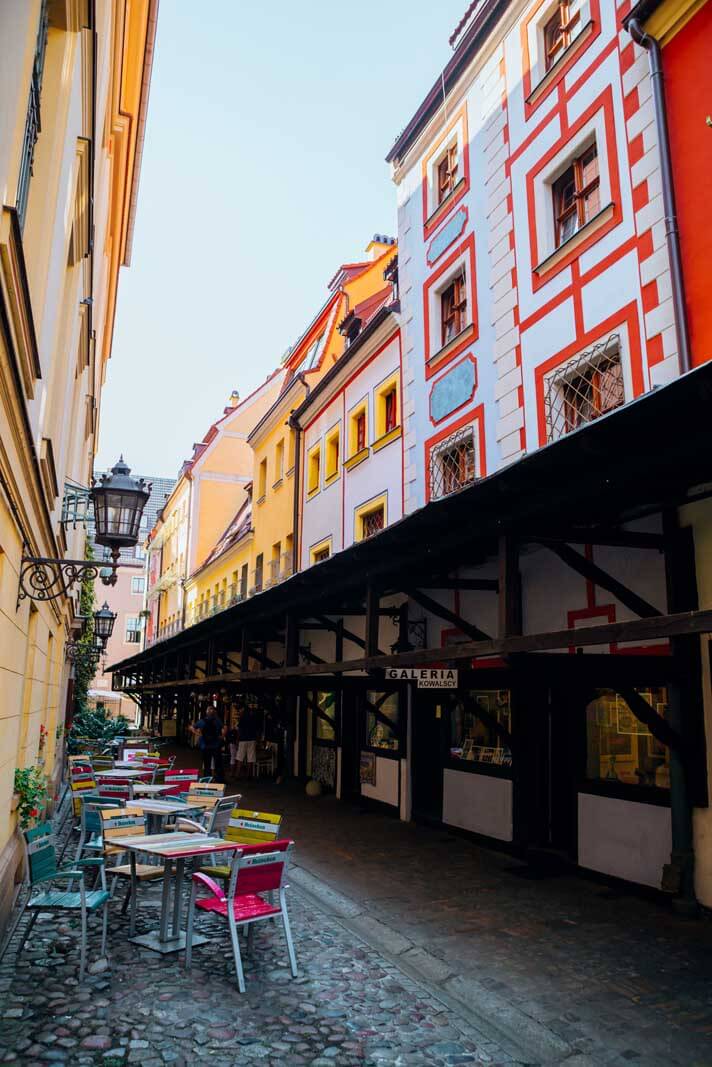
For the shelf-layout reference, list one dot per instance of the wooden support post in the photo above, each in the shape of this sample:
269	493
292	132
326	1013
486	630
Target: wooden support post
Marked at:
372	620
245	651
510	588
291	640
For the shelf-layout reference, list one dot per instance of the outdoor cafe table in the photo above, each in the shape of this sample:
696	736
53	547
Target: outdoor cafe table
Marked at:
157	810
123	773
172	849
147	789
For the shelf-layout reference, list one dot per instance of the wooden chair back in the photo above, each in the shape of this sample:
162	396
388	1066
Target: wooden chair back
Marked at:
41	853
121	822
252	827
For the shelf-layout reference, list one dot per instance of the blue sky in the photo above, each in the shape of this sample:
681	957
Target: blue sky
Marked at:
263	170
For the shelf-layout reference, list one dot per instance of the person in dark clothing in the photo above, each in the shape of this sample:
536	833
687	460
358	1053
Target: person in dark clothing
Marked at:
247	745
210	733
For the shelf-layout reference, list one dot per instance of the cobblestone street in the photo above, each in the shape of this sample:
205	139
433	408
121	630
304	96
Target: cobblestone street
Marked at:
348	1006
415	947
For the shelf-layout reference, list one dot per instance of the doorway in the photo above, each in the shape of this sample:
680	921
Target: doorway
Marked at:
428	732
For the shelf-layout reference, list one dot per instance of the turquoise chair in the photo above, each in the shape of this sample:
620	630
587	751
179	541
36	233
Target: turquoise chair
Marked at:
90	824
43	872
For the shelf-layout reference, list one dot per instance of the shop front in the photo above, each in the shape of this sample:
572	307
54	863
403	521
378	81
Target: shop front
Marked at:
548	759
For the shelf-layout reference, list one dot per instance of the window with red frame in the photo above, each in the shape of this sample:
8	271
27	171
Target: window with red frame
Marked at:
391	411
577	195
361	431
561	29
447	173
453	305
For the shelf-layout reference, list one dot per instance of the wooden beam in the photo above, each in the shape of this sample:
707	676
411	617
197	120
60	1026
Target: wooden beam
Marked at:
684	623
372	619
644	713
483	585
610	537
588	569
444	613
509	603
346	635
291	640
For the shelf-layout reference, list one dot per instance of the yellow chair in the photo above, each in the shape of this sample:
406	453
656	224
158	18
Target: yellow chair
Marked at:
247	828
126	822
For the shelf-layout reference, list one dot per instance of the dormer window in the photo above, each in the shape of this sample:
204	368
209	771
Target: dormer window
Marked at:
447	172
350	328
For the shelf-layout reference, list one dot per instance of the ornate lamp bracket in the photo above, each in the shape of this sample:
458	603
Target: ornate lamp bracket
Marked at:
46	579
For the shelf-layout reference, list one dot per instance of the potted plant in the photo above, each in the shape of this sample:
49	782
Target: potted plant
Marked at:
31	791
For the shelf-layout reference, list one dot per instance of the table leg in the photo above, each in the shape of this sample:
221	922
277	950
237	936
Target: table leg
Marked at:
167	866
177	894
132	921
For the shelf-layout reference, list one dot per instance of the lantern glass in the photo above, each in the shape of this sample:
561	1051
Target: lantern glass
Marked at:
104	620
119	501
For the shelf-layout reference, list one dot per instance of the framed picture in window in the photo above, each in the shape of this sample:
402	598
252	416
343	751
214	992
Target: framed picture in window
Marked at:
627	722
614	744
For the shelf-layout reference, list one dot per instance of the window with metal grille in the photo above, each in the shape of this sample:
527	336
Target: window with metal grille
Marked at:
452	464
447	173
453	308
372	522
561	29
32	121
577	196
584	388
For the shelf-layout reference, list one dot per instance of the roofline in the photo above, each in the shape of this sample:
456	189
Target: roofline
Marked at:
269	414
353	350
312	325
641	11
149	53
481	25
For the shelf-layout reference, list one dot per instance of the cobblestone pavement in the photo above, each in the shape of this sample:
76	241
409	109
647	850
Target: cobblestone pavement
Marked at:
348	1006
572	969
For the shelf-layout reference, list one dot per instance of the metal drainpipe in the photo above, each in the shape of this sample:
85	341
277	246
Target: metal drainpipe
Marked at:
672	233
294	423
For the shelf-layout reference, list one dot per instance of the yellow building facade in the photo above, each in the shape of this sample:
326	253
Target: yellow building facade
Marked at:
74	81
257	548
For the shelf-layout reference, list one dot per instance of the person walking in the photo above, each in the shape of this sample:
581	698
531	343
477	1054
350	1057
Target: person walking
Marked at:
231	737
210	733
247	745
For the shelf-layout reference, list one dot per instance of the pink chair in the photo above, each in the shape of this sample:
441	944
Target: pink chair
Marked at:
180	781
256	869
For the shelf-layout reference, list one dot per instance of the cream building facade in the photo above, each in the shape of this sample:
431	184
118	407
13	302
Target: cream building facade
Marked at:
74	82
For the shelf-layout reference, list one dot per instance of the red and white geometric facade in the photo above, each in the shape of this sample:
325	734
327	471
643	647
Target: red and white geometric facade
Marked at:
533	309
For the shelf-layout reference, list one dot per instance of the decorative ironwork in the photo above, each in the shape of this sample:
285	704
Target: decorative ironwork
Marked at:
75	504
47	579
415	636
584	388
372	523
82	651
452	464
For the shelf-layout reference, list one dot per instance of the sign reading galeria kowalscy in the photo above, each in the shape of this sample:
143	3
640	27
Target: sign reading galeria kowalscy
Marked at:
426	677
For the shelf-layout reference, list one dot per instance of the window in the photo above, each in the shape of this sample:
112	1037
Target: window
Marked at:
279	462
139	552
584	388
447	171
358	432
372	522
275	561
314	470
482	738
259	567
576	195
133	631
32	121
560	30
391	410
619	748
382	731
325	717
453	463
332	454
453	308
321	551
243	580
262	480
138	585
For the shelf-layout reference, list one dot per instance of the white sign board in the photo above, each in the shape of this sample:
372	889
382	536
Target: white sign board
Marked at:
426	677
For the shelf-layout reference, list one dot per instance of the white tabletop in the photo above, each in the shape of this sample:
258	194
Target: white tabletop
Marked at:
174	845
161	807
120	773
147	789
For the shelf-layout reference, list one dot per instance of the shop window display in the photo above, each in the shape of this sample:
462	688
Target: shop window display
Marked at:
620	748
475	739
325	730
382	728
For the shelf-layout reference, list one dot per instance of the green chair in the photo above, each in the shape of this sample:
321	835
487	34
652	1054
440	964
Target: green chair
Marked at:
43	871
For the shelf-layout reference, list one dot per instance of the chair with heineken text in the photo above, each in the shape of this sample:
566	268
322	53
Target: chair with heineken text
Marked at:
81	779
180	781
126	822
43	872
247	828
255	870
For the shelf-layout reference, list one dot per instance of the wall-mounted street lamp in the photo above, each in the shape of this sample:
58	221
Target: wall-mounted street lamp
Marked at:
104	620
118	501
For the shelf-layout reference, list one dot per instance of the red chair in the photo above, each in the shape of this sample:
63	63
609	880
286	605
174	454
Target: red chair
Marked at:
256	869
180	781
